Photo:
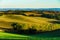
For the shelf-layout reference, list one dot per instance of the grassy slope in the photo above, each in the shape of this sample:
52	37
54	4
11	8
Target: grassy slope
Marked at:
4	35
9	35
5	22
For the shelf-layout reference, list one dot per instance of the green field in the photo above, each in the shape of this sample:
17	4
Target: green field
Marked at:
4	35
39	23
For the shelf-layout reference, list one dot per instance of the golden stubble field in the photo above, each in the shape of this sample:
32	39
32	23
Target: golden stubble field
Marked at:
39	23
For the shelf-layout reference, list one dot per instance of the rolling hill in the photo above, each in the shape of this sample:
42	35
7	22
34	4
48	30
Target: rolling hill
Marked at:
40	23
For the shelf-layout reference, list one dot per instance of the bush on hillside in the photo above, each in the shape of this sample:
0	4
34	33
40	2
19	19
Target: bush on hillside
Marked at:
57	16
20	28
33	29
48	15
16	26
1	14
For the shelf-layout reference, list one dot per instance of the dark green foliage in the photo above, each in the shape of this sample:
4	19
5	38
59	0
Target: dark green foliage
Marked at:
31	15
57	16
1	14
16	26
48	15
23	14
32	31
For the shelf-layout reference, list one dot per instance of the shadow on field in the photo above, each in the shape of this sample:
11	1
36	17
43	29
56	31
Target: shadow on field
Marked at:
7	30
55	33
26	32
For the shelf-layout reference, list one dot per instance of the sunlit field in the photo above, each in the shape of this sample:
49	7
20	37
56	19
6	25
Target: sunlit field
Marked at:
38	23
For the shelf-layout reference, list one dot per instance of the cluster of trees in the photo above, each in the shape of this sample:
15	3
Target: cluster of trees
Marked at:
31	30
51	14
17	27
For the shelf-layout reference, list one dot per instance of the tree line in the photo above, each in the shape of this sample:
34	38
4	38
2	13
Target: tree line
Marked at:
47	14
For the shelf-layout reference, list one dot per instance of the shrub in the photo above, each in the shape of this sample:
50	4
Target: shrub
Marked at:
1	14
48	15
57	16
20	28
16	26
33	29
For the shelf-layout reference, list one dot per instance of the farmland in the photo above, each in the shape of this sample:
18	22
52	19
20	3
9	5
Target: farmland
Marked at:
39	23
30	25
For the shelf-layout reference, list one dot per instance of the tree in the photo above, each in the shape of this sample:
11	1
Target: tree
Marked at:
57	16
14	25
17	26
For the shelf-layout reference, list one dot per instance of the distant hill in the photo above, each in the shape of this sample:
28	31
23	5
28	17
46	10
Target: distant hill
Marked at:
29	9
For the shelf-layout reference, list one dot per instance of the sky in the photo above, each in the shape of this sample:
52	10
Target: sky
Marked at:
29	3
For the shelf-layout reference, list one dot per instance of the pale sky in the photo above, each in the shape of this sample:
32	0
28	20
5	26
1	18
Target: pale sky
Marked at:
29	3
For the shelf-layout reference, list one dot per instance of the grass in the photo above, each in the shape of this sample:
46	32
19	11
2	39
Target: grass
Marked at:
4	35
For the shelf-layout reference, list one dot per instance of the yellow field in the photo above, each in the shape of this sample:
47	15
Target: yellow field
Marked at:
39	23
